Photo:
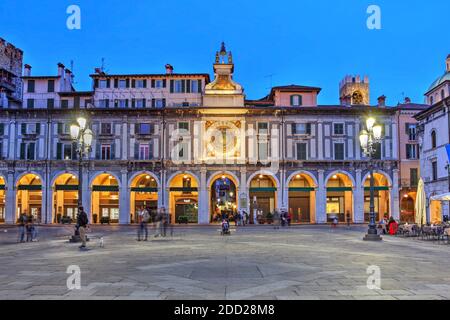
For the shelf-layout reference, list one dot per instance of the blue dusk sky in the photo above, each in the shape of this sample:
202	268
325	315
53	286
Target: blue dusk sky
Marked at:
305	42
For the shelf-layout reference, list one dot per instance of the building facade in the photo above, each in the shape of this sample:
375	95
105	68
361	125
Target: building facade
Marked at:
434	132
197	148
11	59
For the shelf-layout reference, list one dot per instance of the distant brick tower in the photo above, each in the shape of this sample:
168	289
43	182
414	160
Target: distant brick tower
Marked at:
354	91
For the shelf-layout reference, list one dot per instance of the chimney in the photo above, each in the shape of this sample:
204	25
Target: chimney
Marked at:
61	70
68	79
169	69
27	70
382	101
448	63
407	100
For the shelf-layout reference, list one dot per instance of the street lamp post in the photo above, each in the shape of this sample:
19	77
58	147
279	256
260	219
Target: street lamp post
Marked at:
368	139
82	136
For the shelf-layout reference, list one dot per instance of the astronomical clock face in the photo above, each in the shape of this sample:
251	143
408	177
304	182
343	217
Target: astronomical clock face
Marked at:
223	139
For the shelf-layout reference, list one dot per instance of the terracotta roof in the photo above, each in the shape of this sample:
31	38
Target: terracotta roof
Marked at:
294	87
41	77
149	75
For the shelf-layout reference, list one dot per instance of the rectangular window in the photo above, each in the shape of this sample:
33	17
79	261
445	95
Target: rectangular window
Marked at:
414	177
301	128
183	126
411	131
263	151
50	103
144	128
338	128
158	83
31	86
31	148
51	86
67	152
140	84
106	152
296	100
103	103
144	152
434	170
194	87
159	103
178	86
377	153
106	128
64	104
140	103
301	151
122	84
121	103
412	151
338	151
263	128
102	84
30	103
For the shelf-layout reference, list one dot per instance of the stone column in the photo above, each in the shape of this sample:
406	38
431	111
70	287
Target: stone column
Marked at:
45	187
321	199
124	199
203	214
243	192
394	198
10	214
358	198
49	202
281	193
86	192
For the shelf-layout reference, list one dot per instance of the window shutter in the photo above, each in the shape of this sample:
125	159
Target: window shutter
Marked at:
145	83
172	86
137	128
24	128
133	83
183	86
164	103
153	103
164	83
153	83
113	151
308	128
144	101
31	149
407	128
188	86
294	129
22	151
133	103
116	83
2	129
60	128
150	151
107	103
127	83
136	151
95	83
108	83
74	151
59	147
292	100
199	88
126	103
97	151
38	128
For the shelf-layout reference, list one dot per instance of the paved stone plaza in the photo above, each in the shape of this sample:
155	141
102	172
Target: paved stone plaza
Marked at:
309	262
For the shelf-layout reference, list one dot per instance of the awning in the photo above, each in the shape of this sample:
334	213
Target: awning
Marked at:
441	197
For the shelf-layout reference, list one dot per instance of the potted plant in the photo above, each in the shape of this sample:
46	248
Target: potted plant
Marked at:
269	218
104	220
58	217
95	217
66	220
183	219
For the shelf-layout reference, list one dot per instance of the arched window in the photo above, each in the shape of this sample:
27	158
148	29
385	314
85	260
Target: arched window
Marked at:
433	139
296	100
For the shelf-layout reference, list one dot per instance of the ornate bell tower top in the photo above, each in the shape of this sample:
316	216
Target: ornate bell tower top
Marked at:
223	91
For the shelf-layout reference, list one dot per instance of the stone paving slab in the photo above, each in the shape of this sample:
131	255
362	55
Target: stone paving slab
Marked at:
301	263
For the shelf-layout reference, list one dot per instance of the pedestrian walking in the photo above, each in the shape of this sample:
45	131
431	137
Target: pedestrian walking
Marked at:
348	219
158	224
143	217
82	222
29	228
335	223
22	225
